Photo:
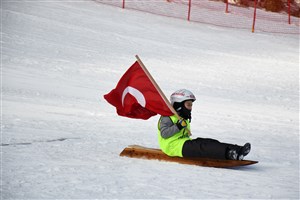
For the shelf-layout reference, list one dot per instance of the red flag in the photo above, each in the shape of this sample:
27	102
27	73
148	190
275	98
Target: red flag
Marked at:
136	97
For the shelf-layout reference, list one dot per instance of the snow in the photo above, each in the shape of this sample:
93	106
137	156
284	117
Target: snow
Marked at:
60	139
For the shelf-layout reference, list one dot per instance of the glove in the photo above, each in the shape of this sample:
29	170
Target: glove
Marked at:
181	124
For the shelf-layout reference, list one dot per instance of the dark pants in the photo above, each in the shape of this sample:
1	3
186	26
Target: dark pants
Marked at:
205	148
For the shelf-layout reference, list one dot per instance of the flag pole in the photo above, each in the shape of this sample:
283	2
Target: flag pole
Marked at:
159	90
157	87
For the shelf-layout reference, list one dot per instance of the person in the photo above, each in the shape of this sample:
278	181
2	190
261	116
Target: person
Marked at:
174	134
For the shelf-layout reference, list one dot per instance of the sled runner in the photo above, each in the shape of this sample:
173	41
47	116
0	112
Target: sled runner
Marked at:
136	151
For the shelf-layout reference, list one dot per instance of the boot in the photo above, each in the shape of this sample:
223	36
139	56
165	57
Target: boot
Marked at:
244	150
235	152
232	154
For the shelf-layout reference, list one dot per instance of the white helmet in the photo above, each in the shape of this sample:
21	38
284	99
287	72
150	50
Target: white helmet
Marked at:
182	95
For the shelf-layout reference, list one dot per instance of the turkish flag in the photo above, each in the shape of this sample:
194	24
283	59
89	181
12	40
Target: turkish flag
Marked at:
135	96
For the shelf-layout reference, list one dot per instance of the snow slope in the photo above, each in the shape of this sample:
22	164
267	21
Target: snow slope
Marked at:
60	139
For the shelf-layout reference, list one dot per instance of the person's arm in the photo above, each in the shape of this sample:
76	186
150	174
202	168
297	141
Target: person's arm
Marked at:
167	127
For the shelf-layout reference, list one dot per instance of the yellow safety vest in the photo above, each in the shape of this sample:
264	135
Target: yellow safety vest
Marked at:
172	146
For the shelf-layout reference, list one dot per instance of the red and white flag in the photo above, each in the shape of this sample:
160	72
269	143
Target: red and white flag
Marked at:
135	96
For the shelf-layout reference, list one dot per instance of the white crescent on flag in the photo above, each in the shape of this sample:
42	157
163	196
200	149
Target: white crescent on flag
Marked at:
136	93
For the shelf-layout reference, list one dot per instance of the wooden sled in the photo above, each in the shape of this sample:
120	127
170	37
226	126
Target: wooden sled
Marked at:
136	151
